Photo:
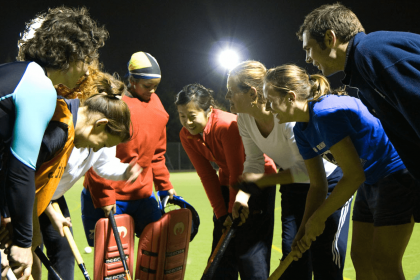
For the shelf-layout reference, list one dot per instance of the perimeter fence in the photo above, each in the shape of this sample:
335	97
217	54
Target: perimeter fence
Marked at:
177	159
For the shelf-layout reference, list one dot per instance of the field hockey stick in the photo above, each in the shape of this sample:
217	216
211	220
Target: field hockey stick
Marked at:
284	264
46	262
72	244
10	275
119	245
220	250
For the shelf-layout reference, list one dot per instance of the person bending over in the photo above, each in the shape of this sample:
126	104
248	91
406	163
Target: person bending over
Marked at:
147	147
28	101
103	162
212	135
341	129
262	134
383	65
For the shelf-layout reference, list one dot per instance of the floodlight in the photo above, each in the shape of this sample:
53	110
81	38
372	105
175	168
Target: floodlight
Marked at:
228	59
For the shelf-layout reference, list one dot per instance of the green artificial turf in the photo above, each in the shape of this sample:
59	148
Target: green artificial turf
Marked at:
189	186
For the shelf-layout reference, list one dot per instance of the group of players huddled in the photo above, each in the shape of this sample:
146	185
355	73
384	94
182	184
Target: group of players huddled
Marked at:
61	117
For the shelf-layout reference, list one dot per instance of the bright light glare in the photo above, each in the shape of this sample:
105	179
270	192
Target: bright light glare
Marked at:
229	59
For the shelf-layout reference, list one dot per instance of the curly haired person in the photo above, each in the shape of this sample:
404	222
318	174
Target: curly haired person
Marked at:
57	53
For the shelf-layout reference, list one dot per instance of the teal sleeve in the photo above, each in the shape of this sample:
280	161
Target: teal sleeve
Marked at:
35	101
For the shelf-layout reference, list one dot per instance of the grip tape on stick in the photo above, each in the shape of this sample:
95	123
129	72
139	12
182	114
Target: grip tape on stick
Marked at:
119	245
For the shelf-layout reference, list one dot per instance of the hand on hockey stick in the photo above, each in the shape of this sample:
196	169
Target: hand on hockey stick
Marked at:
227	223
297	253
107	209
240	208
314	227
133	171
58	221
20	260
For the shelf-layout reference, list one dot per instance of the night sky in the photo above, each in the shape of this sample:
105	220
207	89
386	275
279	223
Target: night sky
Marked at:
186	36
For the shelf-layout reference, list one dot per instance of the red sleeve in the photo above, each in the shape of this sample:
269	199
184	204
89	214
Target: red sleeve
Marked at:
100	189
235	157
208	177
269	166
160	171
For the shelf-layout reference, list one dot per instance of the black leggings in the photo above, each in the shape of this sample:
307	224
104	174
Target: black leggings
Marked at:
58	249
249	252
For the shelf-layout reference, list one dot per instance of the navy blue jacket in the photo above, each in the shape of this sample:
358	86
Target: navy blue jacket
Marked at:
385	67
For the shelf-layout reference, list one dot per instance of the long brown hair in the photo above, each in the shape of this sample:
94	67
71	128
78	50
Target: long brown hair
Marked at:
290	77
112	108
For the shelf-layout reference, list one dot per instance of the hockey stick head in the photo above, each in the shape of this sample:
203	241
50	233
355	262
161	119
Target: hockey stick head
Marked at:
163	200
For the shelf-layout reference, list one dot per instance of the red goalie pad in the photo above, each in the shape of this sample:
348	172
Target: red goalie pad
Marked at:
163	247
108	263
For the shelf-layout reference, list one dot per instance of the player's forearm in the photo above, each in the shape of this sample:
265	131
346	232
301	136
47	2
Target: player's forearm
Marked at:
49	211
315	198
283	177
342	192
20	195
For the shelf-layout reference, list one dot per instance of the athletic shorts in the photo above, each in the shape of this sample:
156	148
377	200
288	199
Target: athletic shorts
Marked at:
389	202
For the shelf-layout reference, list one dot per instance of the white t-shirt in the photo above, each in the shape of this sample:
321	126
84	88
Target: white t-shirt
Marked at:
103	162
280	145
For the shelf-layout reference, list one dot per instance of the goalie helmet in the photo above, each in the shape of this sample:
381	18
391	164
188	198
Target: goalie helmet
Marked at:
163	200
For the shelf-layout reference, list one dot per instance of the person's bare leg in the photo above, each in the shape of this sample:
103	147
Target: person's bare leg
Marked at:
389	244
362	250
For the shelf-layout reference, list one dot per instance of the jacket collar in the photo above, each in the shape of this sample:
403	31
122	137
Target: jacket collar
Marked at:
350	55
209	125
